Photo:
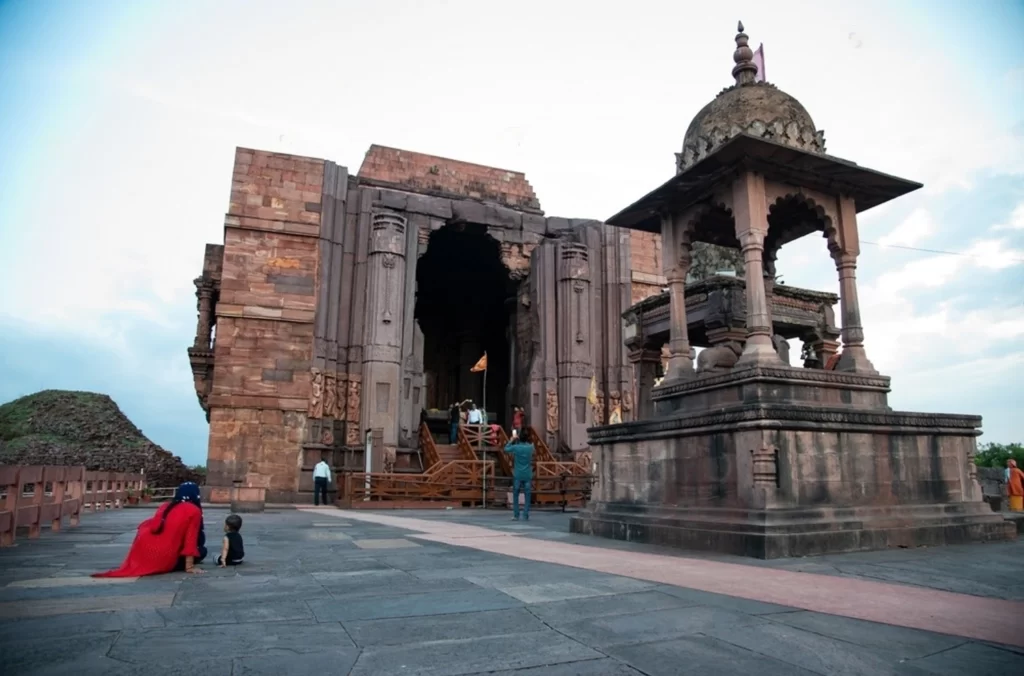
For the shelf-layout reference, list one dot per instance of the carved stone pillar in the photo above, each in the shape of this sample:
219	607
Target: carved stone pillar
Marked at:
677	256
645	371
385	313
751	214
853	358
844	245
574	349
204	325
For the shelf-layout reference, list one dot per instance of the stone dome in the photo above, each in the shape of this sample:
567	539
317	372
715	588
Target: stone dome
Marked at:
756	108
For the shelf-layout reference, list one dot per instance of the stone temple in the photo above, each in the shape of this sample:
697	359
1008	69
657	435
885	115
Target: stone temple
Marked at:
745	453
340	303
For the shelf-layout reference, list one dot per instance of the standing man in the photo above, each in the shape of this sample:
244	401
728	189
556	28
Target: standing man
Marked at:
522	475
474	415
321	477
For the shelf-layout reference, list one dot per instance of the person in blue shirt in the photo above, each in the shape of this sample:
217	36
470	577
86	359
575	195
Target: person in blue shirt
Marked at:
522	474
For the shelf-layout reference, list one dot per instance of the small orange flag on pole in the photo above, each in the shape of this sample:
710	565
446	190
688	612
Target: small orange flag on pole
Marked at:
480	365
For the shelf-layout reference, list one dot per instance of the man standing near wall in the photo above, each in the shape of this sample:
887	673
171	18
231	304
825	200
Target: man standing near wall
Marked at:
522	475
321	477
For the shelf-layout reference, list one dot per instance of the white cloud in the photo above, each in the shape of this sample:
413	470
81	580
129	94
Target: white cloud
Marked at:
1014	222
913	230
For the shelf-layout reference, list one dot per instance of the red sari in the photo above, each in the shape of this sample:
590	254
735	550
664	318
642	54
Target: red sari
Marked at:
156	553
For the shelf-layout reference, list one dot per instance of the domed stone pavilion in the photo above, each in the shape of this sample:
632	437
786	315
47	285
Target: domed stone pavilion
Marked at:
746	454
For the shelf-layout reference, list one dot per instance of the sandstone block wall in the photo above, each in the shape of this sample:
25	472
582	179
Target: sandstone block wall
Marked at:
264	320
647	277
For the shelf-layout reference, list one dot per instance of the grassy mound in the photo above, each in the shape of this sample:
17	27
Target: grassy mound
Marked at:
59	427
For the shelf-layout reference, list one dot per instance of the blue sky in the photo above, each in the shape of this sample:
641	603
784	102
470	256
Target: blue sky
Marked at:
118	123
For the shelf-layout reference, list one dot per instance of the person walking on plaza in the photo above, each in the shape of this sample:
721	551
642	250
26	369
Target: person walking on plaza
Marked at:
522	474
321	478
1014	486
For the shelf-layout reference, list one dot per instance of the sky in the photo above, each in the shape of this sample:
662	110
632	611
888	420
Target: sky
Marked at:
118	124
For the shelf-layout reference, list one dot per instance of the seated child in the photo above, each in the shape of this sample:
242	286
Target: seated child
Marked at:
231	552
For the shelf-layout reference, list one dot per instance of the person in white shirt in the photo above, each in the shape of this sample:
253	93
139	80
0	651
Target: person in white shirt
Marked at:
321	478
474	415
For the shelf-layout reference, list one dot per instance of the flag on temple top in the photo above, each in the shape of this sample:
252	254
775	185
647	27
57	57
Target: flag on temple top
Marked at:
480	365
759	62
592	393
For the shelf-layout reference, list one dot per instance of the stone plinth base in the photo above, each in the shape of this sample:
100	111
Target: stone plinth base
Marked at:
771	534
242	499
775	461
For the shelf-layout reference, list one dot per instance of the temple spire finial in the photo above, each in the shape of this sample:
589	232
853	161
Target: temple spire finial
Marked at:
745	70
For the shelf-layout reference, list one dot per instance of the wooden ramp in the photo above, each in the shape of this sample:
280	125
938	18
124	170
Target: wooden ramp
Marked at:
475	471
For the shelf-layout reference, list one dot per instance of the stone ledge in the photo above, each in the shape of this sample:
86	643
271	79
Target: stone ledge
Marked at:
256	401
794	532
268	313
817	377
788	417
272	225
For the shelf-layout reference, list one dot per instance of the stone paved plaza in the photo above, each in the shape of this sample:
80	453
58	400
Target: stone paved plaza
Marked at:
461	592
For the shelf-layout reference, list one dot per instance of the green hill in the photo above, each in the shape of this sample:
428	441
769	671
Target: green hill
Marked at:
60	427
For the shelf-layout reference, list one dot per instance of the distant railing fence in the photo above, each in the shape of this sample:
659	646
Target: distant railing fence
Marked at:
34	496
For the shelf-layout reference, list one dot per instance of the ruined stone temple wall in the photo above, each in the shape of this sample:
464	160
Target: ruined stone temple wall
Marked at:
264	317
646	275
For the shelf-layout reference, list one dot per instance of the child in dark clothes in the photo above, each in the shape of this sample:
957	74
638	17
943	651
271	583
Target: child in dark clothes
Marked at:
231	552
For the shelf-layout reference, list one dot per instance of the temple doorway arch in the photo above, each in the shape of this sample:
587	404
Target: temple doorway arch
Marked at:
462	308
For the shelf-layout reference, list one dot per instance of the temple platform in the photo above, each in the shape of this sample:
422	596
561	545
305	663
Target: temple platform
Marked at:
775	461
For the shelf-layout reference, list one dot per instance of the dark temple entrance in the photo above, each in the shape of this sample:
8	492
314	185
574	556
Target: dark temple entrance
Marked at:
462	288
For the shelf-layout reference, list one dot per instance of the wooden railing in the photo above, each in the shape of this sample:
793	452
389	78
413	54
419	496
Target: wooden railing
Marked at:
541	449
453	483
31	496
429	448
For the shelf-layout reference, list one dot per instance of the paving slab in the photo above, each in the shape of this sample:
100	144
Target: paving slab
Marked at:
473	596
405	630
454	658
411	605
701	655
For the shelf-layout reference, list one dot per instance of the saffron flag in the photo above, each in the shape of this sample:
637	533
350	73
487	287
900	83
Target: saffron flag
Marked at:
480	365
592	394
759	62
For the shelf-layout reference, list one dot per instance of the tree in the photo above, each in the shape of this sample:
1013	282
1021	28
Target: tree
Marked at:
995	455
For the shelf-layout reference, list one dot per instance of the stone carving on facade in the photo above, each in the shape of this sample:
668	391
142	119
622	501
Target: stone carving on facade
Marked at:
781	347
790	132
552	411
627	402
515	260
327	437
352	401
352	436
585	459
598	409
765	467
330	407
719	358
390	456
316	394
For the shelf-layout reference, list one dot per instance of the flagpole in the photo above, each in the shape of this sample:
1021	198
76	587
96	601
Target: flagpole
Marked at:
485	385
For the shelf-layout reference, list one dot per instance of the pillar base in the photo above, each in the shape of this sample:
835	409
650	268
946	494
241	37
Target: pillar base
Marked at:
855	360
759	351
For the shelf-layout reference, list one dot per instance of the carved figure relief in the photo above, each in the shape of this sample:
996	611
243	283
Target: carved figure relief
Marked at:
327	437
316	394
598	409
552	411
330	395
342	397
352	436
585	459
781	347
719	358
515	260
354	387
390	456
614	407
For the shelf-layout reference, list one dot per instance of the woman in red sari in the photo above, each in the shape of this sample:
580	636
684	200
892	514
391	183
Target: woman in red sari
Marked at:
168	539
